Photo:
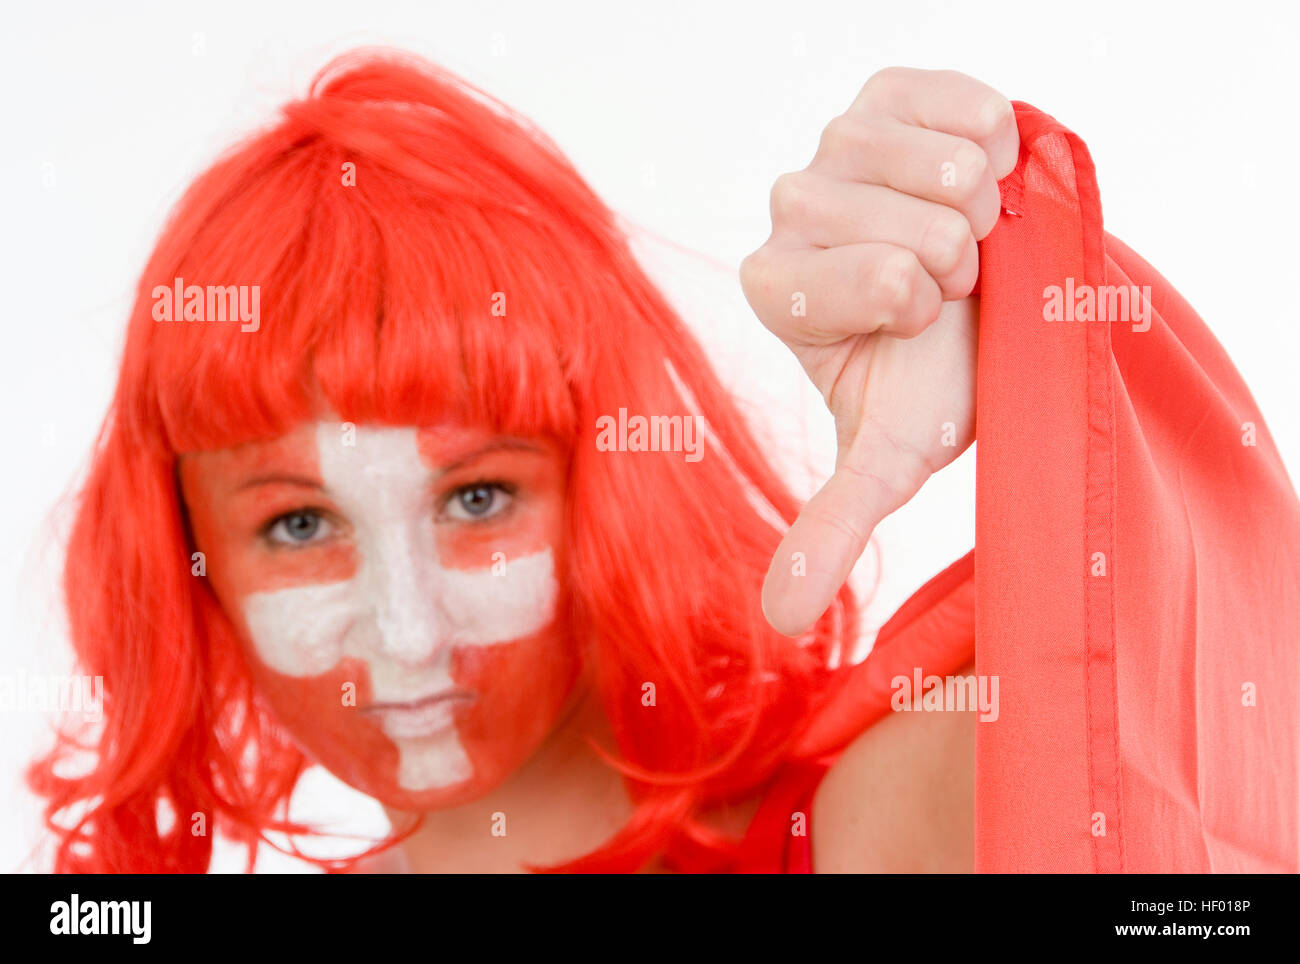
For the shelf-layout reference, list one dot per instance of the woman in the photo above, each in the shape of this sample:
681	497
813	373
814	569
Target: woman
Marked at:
352	504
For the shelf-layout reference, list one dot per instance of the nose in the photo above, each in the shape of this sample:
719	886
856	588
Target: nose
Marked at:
403	583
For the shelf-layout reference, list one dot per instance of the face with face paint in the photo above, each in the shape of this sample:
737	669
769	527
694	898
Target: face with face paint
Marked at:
396	591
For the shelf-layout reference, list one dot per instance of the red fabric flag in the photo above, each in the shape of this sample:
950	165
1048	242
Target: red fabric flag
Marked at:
1137	568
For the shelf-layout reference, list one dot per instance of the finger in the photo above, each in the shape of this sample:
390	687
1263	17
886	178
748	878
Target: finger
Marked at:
933	165
817	296
809	210
830	534
950	101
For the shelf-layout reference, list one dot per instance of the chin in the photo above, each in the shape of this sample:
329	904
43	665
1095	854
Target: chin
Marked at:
419	776
422	801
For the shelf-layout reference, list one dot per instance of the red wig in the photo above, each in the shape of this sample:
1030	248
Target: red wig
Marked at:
384	218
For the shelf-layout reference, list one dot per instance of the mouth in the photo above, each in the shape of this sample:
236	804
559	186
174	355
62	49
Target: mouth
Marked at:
427	716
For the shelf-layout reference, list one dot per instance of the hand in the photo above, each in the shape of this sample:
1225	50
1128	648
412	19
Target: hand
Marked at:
867	278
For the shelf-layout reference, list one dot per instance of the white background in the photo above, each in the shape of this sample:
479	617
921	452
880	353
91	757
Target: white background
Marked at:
680	115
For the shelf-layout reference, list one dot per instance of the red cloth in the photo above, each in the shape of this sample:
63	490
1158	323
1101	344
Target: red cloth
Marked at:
1126	691
1136	580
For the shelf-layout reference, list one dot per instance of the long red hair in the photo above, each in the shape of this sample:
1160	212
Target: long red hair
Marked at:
384	218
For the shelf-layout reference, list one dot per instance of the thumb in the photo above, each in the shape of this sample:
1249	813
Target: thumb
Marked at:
830	534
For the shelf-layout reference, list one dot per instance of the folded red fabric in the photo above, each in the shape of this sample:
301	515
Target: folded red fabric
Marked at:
1137	573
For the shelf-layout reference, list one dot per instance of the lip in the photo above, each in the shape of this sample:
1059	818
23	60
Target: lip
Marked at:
427	716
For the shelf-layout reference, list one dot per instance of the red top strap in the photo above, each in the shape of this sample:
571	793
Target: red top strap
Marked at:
934	630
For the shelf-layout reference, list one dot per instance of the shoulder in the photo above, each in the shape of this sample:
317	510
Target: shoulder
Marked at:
900	798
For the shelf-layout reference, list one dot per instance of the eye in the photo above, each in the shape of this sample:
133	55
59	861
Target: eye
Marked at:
481	500
298	528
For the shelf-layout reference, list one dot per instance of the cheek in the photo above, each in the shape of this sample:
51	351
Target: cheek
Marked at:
300	630
240	567
321	713
531	528
522	685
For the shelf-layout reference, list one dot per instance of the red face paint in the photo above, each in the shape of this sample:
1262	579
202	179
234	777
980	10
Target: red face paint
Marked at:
385	569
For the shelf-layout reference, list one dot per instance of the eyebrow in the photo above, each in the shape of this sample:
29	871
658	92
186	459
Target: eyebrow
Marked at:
282	478
288	478
504	444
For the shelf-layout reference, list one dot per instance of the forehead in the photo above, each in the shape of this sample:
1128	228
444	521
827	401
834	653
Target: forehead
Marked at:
299	453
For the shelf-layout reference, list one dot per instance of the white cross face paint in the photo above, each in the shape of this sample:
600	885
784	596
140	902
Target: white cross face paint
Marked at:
402	611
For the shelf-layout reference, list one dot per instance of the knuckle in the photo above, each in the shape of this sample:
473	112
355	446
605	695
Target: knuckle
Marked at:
895	281
869	478
837	136
952	76
881	85
831	135
993	112
789	198
944	241
746	272
754	275
971	165
765	284
840	523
